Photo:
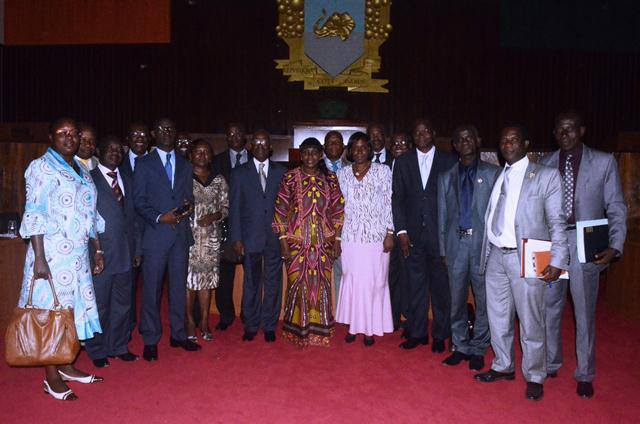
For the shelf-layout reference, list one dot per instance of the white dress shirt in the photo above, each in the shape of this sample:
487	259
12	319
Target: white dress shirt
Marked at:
516	177
425	161
330	163
383	155
244	157
266	166
163	158
104	171
132	159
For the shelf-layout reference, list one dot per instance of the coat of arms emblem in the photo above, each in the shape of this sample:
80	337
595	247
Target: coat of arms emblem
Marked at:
334	43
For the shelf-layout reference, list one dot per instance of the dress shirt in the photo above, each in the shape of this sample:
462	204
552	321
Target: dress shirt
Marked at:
104	171
516	176
576	157
257	163
425	161
132	159
330	164
89	164
244	157
163	158
383	155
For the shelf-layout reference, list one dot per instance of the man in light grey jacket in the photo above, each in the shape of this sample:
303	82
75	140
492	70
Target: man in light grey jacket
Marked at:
463	195
592	190
526	202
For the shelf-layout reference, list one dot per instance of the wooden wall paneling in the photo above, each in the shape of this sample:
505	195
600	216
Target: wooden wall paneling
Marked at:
16	158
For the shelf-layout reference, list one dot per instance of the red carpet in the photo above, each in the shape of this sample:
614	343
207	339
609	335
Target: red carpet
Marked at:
233	381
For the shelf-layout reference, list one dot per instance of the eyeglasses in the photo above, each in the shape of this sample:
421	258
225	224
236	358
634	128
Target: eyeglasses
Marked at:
67	134
137	134
166	129
260	142
400	143
183	142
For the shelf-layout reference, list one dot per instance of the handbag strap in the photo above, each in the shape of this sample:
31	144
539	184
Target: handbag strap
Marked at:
56	302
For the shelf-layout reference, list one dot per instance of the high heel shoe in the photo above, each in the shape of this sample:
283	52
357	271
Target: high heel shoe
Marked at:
84	380
207	336
68	395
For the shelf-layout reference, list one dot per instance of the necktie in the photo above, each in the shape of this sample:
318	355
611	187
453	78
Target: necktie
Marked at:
568	185
135	162
334	166
263	177
424	175
238	157
169	169
466	194
497	223
117	192
377	159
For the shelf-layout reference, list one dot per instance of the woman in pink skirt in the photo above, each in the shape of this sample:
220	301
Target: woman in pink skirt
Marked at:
367	238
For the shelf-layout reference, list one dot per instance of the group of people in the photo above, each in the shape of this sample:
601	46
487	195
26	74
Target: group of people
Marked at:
393	232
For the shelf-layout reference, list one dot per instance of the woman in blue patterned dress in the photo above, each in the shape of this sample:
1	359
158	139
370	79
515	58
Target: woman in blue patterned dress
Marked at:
60	218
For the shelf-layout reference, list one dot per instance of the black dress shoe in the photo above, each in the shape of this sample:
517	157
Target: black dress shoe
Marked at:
455	358
222	326
552	374
150	353
186	344
101	363
585	389
491	376
350	338
534	391
412	343
405	334
128	357
269	336
437	346
476	363
368	341
248	336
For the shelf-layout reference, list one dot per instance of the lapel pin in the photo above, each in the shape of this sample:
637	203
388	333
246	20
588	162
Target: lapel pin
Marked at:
531	175
480	180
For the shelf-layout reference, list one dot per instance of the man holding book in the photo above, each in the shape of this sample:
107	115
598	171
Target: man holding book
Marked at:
592	190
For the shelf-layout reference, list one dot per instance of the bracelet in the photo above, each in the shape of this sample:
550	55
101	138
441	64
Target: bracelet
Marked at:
338	238
282	237
100	252
390	232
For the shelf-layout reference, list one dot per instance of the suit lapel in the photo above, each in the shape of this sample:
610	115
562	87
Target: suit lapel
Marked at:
158	164
455	182
102	185
414	168
527	182
582	182
271	177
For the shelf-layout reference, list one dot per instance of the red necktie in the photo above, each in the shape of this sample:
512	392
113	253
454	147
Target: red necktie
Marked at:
116	188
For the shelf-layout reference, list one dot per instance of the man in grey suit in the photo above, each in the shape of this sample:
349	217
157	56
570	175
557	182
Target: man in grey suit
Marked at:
463	195
526	202
592	190
121	244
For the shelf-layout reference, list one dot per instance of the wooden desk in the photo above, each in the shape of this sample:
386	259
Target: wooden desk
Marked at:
622	293
12	253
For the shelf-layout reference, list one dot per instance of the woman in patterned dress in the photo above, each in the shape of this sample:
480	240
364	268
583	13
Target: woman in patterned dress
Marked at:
60	218
308	219
364	302
211	206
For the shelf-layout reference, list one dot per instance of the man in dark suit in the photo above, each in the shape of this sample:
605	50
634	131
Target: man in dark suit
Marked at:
163	182
463	196
254	188
592	190
138	142
415	211
378	139
120	242
400	144
223	163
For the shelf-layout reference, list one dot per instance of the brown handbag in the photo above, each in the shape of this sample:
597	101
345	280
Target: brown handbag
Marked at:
37	337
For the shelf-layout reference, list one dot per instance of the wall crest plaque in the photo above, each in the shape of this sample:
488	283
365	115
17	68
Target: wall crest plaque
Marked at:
334	43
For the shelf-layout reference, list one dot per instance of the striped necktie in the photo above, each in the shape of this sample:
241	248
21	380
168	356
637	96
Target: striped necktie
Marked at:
117	192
